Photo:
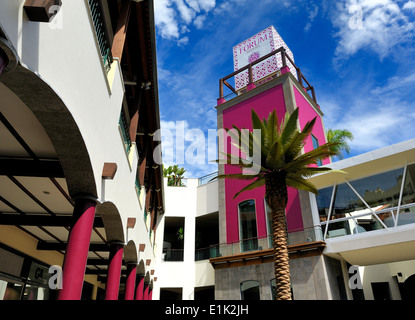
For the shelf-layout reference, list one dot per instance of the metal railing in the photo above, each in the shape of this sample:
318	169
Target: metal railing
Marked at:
207	178
97	15
295	237
125	130
369	220
173	255
284	58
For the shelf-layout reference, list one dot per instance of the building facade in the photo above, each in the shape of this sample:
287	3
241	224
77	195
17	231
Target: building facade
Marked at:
353	241
79	188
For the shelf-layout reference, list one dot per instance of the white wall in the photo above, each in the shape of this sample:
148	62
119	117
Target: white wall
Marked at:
65	55
188	274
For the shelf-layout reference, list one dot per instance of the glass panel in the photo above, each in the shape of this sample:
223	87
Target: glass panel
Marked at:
248	230
323	202
250	290
315	146
269	223
379	192
10	290
273	289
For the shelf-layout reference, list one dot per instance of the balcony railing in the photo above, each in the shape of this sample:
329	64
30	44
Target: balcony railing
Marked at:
97	15
173	255
206	179
295	237
284	57
369	220
125	131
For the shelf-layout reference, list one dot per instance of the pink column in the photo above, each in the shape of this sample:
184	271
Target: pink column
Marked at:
150	295
130	283
139	293
77	250
114	271
146	289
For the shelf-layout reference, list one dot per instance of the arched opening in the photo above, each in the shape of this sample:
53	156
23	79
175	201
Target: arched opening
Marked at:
250	290
408	290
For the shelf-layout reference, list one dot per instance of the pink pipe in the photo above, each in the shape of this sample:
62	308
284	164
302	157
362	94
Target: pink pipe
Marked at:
77	250
114	271
139	293
130	284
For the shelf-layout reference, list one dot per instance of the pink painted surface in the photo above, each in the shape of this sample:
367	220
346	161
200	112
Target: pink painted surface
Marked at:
139	292
114	272
307	113
130	283
77	250
240	115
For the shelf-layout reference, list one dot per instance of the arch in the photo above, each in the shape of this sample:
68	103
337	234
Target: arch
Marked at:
130	252
59	125
250	290
112	222
141	269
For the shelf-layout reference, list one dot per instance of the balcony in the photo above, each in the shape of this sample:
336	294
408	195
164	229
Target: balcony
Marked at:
298	240
233	93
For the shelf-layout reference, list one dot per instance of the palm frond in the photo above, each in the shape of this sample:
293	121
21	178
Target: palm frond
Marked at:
289	126
300	183
259	182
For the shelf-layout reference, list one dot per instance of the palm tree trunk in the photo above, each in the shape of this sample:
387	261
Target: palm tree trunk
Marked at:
277	197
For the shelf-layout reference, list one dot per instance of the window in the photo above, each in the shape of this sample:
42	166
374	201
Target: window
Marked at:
247	224
250	290
315	146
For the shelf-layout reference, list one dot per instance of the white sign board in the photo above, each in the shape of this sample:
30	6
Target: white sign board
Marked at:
256	47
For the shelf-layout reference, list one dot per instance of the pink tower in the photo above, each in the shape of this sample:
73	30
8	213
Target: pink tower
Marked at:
265	79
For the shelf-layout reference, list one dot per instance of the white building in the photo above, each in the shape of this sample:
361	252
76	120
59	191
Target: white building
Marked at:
78	108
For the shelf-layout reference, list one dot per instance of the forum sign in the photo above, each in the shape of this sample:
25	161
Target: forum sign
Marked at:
256	47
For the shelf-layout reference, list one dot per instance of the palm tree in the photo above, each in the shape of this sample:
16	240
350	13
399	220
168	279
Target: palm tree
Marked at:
282	165
174	175
340	136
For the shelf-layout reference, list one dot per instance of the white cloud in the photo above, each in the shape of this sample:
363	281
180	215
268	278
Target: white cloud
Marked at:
410	5
378	25
198	22
312	14
173	17
377	117
165	18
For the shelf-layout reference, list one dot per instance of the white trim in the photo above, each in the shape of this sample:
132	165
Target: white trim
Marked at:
400	194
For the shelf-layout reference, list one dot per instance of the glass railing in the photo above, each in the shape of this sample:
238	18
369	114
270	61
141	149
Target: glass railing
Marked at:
295	237
125	131
172	255
208	178
366	220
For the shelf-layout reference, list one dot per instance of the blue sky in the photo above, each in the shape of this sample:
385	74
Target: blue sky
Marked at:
358	54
